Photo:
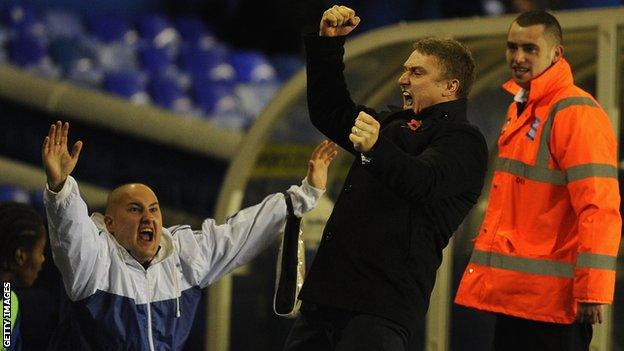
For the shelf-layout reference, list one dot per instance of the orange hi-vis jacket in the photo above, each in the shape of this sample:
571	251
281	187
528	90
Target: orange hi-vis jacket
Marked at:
552	227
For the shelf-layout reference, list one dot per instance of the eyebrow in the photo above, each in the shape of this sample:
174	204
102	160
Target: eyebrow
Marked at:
412	68
132	203
511	43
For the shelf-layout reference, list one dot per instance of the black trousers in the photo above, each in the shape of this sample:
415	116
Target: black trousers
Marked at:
323	328
512	333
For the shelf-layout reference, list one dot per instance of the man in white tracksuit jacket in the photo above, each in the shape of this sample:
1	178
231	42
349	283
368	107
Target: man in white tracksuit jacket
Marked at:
133	284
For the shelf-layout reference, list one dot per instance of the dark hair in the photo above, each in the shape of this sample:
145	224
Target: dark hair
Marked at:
550	23
20	226
454	59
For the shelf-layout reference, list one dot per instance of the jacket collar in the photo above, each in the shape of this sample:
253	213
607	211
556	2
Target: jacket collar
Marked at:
555	78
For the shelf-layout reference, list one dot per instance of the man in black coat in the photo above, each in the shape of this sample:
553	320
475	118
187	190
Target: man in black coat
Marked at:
416	175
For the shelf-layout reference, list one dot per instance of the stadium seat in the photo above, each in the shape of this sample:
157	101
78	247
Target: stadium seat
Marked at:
252	67
126	84
26	50
111	28
215	97
206	65
155	60
61	24
13	193
158	31
166	93
23	18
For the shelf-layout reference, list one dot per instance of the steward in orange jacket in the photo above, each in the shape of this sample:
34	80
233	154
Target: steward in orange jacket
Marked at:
551	231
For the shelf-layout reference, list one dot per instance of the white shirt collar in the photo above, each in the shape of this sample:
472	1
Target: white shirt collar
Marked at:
522	96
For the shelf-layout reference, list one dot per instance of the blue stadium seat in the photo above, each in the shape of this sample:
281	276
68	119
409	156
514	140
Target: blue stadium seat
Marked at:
78	59
256	81
67	52
111	28
206	65
116	57
155	60
31	54
215	98
157	30
61	24
252	67
23	18
167	93
26	50
13	193
126	84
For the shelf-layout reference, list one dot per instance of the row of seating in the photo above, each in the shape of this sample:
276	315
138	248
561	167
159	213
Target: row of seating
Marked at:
16	193
176	64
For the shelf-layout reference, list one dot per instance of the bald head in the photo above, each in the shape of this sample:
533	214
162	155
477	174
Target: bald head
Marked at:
119	195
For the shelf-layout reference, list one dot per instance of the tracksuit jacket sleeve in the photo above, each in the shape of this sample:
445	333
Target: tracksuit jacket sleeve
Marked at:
584	146
331	109
76	243
216	250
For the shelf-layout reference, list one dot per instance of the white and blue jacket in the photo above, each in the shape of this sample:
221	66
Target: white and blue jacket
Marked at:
116	304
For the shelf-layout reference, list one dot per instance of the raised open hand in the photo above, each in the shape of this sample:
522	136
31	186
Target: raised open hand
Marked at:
338	21
57	160
321	158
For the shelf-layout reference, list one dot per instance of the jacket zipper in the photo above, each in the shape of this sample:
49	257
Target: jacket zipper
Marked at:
149	314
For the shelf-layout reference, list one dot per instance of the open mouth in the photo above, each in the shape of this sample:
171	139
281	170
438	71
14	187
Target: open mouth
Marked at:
520	70
146	234
407	99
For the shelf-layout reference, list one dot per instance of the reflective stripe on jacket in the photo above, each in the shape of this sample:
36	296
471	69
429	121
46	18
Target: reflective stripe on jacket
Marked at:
552	227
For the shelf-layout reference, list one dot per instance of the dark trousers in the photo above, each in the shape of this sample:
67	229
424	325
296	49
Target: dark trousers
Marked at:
323	328
511	333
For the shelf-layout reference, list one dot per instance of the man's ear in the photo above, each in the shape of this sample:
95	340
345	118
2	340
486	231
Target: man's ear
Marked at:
452	86
108	220
558	53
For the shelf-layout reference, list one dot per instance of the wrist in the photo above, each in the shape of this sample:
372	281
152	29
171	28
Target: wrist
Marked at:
56	186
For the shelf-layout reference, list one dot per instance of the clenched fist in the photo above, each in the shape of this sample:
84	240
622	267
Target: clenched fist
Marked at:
364	132
338	21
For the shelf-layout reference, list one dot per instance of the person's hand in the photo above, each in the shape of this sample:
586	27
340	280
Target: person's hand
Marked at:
589	313
57	160
322	156
338	21
365	132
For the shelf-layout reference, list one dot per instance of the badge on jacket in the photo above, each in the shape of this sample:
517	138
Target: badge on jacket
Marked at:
533	131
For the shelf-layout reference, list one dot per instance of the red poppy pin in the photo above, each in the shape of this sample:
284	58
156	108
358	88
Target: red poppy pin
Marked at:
414	124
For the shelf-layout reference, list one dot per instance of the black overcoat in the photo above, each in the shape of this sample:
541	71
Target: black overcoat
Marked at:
383	242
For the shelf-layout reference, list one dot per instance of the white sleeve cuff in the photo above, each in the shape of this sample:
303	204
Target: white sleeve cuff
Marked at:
304	197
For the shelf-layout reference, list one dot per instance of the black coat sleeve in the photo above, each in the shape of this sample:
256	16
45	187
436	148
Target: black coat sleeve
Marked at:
330	106
454	163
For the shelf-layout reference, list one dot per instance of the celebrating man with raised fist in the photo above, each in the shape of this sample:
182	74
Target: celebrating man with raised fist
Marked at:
417	172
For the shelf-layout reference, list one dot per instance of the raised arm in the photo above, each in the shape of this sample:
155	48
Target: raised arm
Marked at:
216	250
331	108
74	238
